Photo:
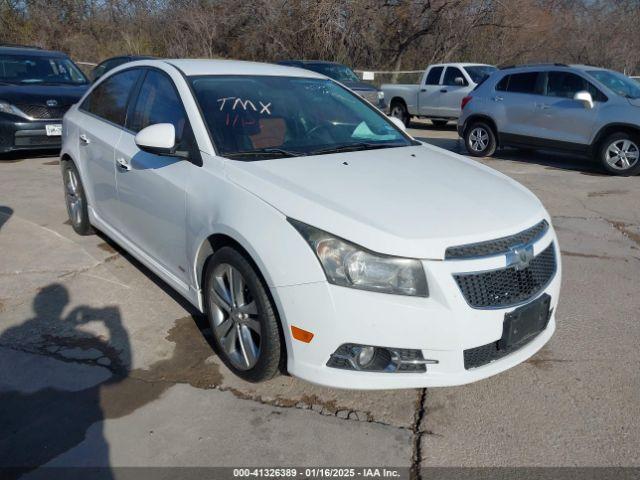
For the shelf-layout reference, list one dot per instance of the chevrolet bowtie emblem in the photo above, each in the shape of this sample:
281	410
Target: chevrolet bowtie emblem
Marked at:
520	256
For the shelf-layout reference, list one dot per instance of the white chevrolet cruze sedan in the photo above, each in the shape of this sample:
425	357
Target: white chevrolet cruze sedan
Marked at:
316	235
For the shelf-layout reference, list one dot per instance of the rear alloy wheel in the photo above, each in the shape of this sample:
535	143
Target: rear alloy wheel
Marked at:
399	111
75	199
620	154
480	140
242	317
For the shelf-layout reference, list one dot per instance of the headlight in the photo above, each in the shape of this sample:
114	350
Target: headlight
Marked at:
380	95
349	265
6	107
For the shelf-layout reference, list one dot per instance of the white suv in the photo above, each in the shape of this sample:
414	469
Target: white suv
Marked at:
315	234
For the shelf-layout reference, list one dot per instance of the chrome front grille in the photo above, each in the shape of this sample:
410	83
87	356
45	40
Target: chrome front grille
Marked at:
41	112
498	246
508	286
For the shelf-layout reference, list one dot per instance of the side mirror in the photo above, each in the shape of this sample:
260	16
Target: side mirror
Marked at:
585	98
159	139
398	123
459	81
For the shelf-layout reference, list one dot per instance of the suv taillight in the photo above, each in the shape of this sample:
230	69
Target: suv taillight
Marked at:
465	100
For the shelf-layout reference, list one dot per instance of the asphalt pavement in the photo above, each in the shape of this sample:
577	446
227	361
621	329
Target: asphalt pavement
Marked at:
103	365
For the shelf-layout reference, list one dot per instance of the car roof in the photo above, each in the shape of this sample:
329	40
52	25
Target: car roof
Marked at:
460	64
33	51
546	66
130	57
196	67
308	62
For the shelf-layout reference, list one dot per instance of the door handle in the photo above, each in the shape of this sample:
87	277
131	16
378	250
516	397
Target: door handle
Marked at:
423	89
498	99
443	90
84	139
543	106
123	164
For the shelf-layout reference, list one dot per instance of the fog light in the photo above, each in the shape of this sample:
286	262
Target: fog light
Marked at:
351	356
365	356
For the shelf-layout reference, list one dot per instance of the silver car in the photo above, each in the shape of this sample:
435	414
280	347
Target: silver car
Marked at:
576	108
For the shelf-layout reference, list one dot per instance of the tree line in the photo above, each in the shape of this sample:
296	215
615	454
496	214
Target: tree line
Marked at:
367	34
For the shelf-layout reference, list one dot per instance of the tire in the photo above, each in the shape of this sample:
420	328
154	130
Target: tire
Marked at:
480	140
75	199
439	123
399	110
619	154
244	324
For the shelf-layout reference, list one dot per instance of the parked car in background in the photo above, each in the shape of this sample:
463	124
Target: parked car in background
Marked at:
113	62
344	75
313	232
438	96
574	108
37	87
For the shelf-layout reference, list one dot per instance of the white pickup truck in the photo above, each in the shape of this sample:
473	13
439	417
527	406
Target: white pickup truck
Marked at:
439	94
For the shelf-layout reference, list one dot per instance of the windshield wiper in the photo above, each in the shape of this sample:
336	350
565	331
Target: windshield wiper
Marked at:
353	147
263	151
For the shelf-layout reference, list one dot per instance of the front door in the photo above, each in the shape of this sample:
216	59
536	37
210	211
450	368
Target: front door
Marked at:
152	188
455	87
562	118
429	92
103	118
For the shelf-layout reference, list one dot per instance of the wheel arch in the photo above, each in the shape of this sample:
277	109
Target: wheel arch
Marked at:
213	243
399	100
477	117
610	129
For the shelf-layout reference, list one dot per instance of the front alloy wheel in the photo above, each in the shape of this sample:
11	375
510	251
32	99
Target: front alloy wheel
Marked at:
399	111
234	317
245	327
621	155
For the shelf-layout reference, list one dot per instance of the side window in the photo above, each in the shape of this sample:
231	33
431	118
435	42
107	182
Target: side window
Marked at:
564	84
450	77
433	77
523	83
109	99
567	84
158	102
503	84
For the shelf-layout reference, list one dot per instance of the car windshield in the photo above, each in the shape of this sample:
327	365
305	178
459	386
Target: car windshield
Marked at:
479	73
37	69
336	71
617	82
258	117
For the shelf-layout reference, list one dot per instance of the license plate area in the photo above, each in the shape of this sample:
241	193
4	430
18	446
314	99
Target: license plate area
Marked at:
525	322
54	130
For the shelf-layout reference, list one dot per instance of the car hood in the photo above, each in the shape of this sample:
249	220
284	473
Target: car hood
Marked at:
360	86
39	94
408	201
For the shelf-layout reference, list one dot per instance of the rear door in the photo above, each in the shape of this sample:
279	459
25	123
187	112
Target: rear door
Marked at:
516	98
429	92
562	118
152	188
100	128
455	86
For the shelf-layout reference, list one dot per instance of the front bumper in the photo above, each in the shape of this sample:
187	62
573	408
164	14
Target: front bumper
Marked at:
20	134
442	326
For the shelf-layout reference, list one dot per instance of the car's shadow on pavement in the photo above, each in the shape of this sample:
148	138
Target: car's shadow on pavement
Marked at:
548	159
19	156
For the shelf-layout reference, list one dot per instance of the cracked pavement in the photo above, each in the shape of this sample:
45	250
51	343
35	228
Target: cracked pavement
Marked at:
103	365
